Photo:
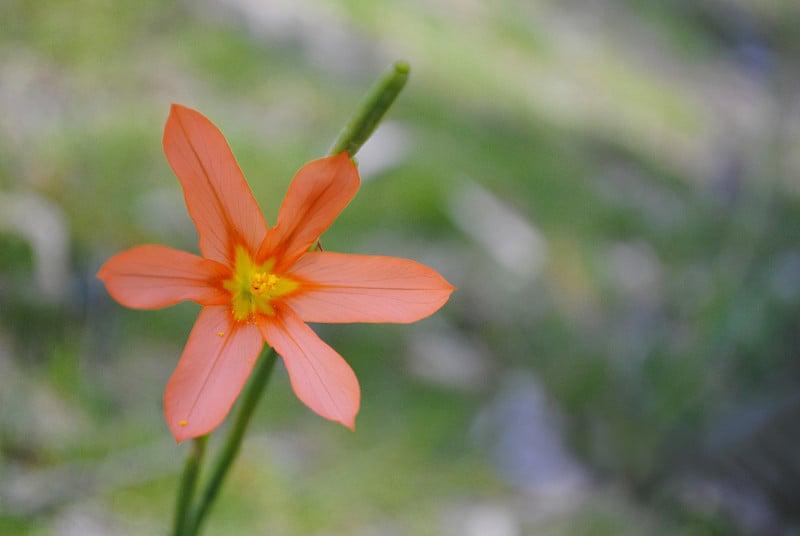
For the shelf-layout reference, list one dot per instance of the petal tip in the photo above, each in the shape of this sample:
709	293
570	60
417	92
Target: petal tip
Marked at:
180	438
177	108
348	421
351	425
181	430
178	112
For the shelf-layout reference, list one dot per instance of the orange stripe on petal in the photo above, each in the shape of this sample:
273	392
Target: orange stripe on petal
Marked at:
218	198
360	288
215	364
320	377
316	196
150	277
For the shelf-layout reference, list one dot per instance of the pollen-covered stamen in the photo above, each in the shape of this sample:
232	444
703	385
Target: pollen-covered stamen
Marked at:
261	282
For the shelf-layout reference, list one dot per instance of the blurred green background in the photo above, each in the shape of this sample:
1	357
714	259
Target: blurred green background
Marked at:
612	185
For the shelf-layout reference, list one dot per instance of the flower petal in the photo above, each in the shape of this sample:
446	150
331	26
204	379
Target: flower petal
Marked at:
218	198
316	196
149	277
214	366
358	288
321	379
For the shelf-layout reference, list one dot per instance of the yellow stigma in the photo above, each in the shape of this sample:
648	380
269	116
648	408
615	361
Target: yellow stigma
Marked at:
254	287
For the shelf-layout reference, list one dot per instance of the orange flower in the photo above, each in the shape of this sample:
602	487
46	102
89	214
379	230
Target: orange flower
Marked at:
258	284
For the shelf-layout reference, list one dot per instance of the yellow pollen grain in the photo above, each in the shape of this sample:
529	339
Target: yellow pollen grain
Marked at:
183	423
220	333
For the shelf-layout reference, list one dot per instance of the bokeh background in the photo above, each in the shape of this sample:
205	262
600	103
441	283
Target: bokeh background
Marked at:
614	186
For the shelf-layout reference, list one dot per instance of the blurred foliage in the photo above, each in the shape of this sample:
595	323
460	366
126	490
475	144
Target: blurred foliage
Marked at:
648	150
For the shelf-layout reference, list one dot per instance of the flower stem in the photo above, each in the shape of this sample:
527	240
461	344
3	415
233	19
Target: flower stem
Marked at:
186	491
370	111
230	448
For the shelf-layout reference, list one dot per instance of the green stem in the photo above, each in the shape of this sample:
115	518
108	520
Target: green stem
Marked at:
186	491
370	111
225	457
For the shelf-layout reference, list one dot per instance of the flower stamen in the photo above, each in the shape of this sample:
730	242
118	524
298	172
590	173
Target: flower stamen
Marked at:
261	282
254	287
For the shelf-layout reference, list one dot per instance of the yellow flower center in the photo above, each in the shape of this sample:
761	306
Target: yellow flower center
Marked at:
255	287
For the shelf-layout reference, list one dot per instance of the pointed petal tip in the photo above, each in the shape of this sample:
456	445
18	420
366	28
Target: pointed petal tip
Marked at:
176	108
182	429
348	421
179	438
351	425
179	111
182	433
